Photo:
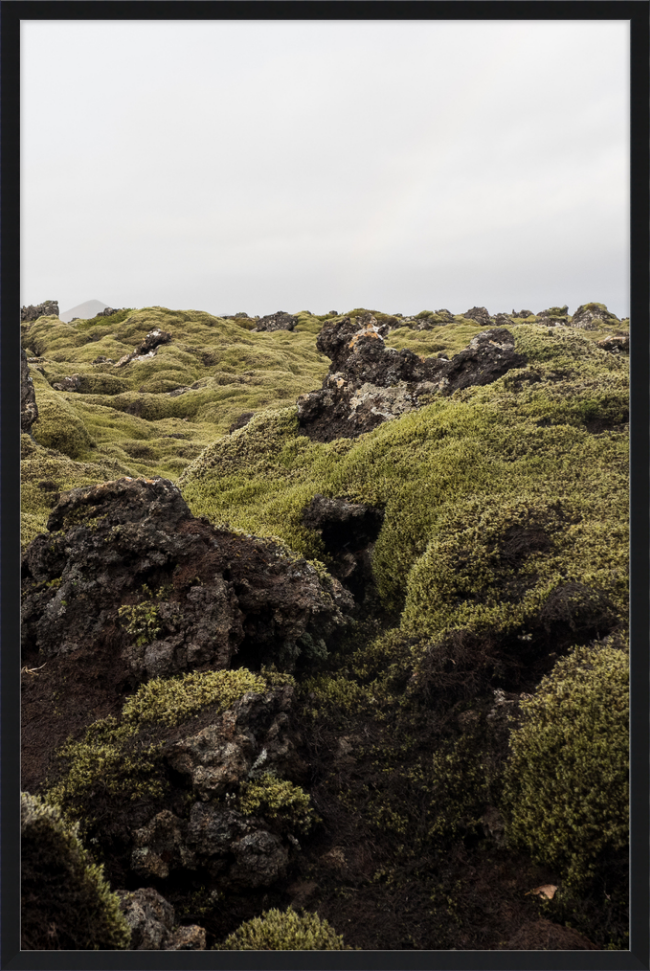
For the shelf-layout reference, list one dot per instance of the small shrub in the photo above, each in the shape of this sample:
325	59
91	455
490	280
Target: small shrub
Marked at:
284	931
277	798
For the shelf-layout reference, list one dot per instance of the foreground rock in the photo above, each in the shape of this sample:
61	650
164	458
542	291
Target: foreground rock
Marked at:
28	406
152	920
126	569
369	383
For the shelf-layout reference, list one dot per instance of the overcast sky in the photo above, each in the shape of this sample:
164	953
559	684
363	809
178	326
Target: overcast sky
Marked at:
255	166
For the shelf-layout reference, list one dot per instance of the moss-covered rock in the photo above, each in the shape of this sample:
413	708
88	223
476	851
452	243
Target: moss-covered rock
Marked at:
276	930
567	790
66	902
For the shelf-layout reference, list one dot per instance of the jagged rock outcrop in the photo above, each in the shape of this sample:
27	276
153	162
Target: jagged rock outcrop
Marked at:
480	315
109	311
126	568
28	406
592	315
277	321
152	920
147	348
50	308
369	383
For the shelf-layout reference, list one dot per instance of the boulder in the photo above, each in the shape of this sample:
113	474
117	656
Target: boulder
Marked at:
480	315
152	920
369	383
277	321
28	406
50	308
125	571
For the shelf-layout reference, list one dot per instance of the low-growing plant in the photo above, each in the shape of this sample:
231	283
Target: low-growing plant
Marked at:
285	930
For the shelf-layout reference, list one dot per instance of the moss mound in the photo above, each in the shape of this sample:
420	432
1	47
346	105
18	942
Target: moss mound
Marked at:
567	790
123	756
66	902
288	931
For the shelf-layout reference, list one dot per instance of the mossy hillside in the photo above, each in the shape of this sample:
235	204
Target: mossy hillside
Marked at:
286	930
66	902
123	417
527	434
567	790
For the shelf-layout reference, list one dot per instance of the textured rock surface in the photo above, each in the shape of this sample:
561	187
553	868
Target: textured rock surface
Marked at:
370	383
217	591
34	311
28	406
589	315
277	321
152	920
147	348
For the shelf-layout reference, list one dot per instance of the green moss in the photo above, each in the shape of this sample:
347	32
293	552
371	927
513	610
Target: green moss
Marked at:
58	426
286	930
171	701
66	902
277	798
567	790
119	756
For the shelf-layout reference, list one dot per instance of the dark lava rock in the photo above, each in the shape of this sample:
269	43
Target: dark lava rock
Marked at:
369	383
277	321
349	531
522	313
48	309
209	593
28	406
109	311
148	347
480	315
152	920
616	344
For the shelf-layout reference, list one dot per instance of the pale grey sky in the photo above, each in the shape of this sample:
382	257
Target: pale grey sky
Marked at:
264	165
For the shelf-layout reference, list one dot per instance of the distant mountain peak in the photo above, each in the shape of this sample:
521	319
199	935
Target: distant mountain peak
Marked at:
83	310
